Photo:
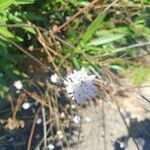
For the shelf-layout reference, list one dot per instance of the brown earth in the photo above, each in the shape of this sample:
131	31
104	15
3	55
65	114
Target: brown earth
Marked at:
109	124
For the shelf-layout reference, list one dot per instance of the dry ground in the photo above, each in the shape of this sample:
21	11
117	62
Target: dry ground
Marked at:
108	126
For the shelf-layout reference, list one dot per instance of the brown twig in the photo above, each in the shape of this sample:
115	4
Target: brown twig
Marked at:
24	51
23	25
32	129
36	98
124	6
19	102
46	48
64	42
127	47
74	16
44	127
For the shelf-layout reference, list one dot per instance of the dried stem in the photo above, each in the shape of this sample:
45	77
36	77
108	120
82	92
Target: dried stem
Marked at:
44	127
24	51
75	15
19	102
32	129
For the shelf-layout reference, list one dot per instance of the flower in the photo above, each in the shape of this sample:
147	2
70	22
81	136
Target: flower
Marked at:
26	105
60	135
76	119
73	107
79	85
18	85
51	146
39	121
54	78
122	145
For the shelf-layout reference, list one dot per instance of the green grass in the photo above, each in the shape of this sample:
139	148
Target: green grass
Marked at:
94	36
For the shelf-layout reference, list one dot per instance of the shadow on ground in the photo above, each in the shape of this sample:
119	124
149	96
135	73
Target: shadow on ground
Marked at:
139	132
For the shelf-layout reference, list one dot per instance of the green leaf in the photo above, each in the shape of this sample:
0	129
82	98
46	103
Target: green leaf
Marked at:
75	62
23	2
118	30
116	67
91	30
3	44
3	90
19	73
4	32
105	39
5	3
29	29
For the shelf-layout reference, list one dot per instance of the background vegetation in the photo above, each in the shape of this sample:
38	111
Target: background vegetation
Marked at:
38	38
117	37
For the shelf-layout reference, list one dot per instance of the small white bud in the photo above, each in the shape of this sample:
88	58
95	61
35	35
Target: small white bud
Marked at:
39	121
76	119
62	115
18	85
122	145
59	132
54	78
51	146
73	106
26	105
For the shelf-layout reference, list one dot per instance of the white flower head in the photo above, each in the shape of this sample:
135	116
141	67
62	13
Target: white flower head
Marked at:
76	119
54	78
79	85
39	121
73	107
18	84
122	145
26	105
51	146
60	134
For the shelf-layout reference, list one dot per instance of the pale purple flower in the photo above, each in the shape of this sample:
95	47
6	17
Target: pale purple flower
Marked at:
79	85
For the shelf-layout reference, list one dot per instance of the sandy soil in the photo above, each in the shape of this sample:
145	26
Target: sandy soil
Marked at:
105	126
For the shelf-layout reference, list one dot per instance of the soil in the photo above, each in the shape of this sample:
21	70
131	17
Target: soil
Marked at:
122	124
126	127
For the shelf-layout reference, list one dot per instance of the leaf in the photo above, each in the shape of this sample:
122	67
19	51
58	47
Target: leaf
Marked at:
23	2
94	49
116	67
5	3
91	30
29	29
19	73
105	39
75	62
4	32
118	30
3	44
3	90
